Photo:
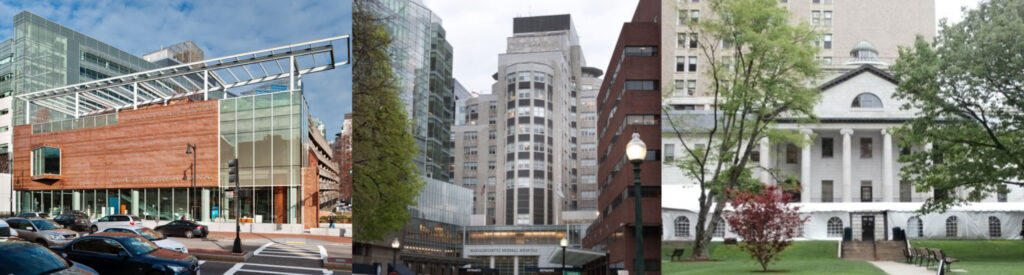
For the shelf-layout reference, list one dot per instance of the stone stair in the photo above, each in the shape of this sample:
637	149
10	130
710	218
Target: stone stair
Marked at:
873	251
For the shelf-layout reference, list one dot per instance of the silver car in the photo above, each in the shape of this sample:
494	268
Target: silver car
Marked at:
42	231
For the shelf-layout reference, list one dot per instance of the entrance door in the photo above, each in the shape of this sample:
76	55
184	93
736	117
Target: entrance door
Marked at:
867	225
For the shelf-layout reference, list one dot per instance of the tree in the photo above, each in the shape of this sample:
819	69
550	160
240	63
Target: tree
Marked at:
969	87
759	69
385	179
765	222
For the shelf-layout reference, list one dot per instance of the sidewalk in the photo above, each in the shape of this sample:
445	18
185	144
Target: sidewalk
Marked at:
901	268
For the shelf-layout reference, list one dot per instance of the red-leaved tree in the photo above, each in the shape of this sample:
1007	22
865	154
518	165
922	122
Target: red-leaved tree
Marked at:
766	223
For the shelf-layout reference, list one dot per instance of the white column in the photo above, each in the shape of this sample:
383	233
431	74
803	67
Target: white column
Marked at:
206	204
291	73
887	176
765	155
76	105
76	200
135	202
805	166
206	85
847	178
135	96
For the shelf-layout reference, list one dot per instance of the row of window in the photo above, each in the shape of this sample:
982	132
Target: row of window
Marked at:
821	18
834	227
106	63
686	64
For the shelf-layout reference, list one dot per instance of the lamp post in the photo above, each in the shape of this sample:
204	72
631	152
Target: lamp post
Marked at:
191	150
636	151
564	243
395	244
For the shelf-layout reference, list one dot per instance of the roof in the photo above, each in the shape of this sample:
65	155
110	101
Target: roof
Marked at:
855	72
863	45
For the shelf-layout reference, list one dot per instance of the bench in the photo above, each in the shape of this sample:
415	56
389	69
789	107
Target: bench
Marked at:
677	253
932	256
908	255
948	260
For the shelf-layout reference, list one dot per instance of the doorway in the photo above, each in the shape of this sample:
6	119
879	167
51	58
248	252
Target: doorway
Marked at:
867	225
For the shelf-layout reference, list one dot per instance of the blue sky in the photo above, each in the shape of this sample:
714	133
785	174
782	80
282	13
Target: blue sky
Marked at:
220	28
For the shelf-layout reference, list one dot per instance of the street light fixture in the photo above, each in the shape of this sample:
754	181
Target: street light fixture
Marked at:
395	244
564	243
190	149
636	151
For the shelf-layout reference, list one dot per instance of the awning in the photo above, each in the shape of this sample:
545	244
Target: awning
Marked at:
576	256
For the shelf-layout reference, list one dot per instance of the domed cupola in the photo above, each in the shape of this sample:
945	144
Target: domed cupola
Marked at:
864	53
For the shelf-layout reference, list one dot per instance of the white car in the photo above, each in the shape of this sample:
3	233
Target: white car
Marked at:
6	233
113	220
151	235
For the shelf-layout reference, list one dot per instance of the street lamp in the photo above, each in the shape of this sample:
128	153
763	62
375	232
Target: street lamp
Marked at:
394	254
636	151
190	149
564	243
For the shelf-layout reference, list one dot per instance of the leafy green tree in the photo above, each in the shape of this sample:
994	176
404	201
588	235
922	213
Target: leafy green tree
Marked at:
385	179
969	87
759	69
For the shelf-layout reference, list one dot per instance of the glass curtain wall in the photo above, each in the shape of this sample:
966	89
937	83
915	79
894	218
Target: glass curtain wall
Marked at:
147	204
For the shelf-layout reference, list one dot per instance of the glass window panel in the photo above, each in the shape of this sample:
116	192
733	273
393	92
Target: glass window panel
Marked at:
125	201
280	147
245	177
149	209
89	203
100	121
281	99
101	203
245	150
180	202
262	124
263	148
227	126
281	176
227	149
295	147
282	122
244	125
263	201
263	101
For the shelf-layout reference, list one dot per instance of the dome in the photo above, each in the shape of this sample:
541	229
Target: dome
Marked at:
863	46
864	53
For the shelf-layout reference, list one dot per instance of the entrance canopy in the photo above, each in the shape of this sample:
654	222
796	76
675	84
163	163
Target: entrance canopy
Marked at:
192	79
576	256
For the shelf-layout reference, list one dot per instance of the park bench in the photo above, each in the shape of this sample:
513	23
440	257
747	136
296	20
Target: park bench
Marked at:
948	260
932	256
919	256
677	253
908	255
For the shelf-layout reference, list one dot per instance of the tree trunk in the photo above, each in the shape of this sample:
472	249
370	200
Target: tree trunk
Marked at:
700	244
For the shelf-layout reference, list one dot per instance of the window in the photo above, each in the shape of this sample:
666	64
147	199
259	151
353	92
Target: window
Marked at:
904	150
492	150
816	1
694	16
835	227
641	119
470	150
865	148
995	229
4	129
682	17
692	67
828	18
792	153
491	134
640	50
468	182
905	192
102	246
670	153
641	85
680	63
720	229
691	87
1000	195
682	226
865	191
680	87
826	60
866	100
491	165
469	136
827	148
681	40
46	161
828	41
492	181
826	191
5	111
915	227
588	179
469	166
951	227
815	18
693	40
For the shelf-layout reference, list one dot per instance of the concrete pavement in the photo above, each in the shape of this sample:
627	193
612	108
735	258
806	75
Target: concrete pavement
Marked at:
901	268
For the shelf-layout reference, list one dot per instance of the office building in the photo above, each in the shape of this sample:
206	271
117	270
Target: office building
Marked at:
530	129
6	91
342	146
629	104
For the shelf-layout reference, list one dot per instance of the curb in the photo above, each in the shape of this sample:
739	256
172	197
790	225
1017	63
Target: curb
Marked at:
220	255
338	264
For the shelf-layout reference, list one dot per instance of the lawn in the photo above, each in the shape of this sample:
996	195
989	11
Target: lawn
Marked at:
808	257
982	256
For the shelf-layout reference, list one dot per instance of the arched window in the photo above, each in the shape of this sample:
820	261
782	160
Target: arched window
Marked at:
866	100
835	227
915	227
682	226
995	229
951	227
720	229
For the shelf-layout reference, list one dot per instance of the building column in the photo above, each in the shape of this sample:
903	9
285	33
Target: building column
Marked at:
205	204
135	202
515	264
765	162
76	200
805	166
293	204
847	178
887	176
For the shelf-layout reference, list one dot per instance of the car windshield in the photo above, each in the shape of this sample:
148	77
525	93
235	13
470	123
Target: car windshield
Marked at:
29	259
138	245
151	234
44	225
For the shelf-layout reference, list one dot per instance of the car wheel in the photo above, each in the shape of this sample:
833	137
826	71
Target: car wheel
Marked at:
189	234
93	229
42	242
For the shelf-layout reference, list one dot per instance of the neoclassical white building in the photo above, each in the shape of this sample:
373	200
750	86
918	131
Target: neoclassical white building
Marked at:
850	173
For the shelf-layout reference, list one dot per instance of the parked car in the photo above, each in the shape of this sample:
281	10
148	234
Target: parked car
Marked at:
124	253
42	231
34	215
6	233
28	258
73	221
113	220
151	235
185	228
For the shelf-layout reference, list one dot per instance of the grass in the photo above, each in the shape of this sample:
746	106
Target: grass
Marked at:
807	257
982	256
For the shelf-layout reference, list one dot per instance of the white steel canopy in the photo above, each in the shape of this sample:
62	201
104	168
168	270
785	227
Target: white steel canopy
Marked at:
192	79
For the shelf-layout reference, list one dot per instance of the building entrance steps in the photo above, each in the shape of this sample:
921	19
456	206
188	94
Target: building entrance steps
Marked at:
874	251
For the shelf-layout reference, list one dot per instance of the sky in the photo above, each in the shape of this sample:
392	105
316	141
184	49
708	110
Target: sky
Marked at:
478	29
219	28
